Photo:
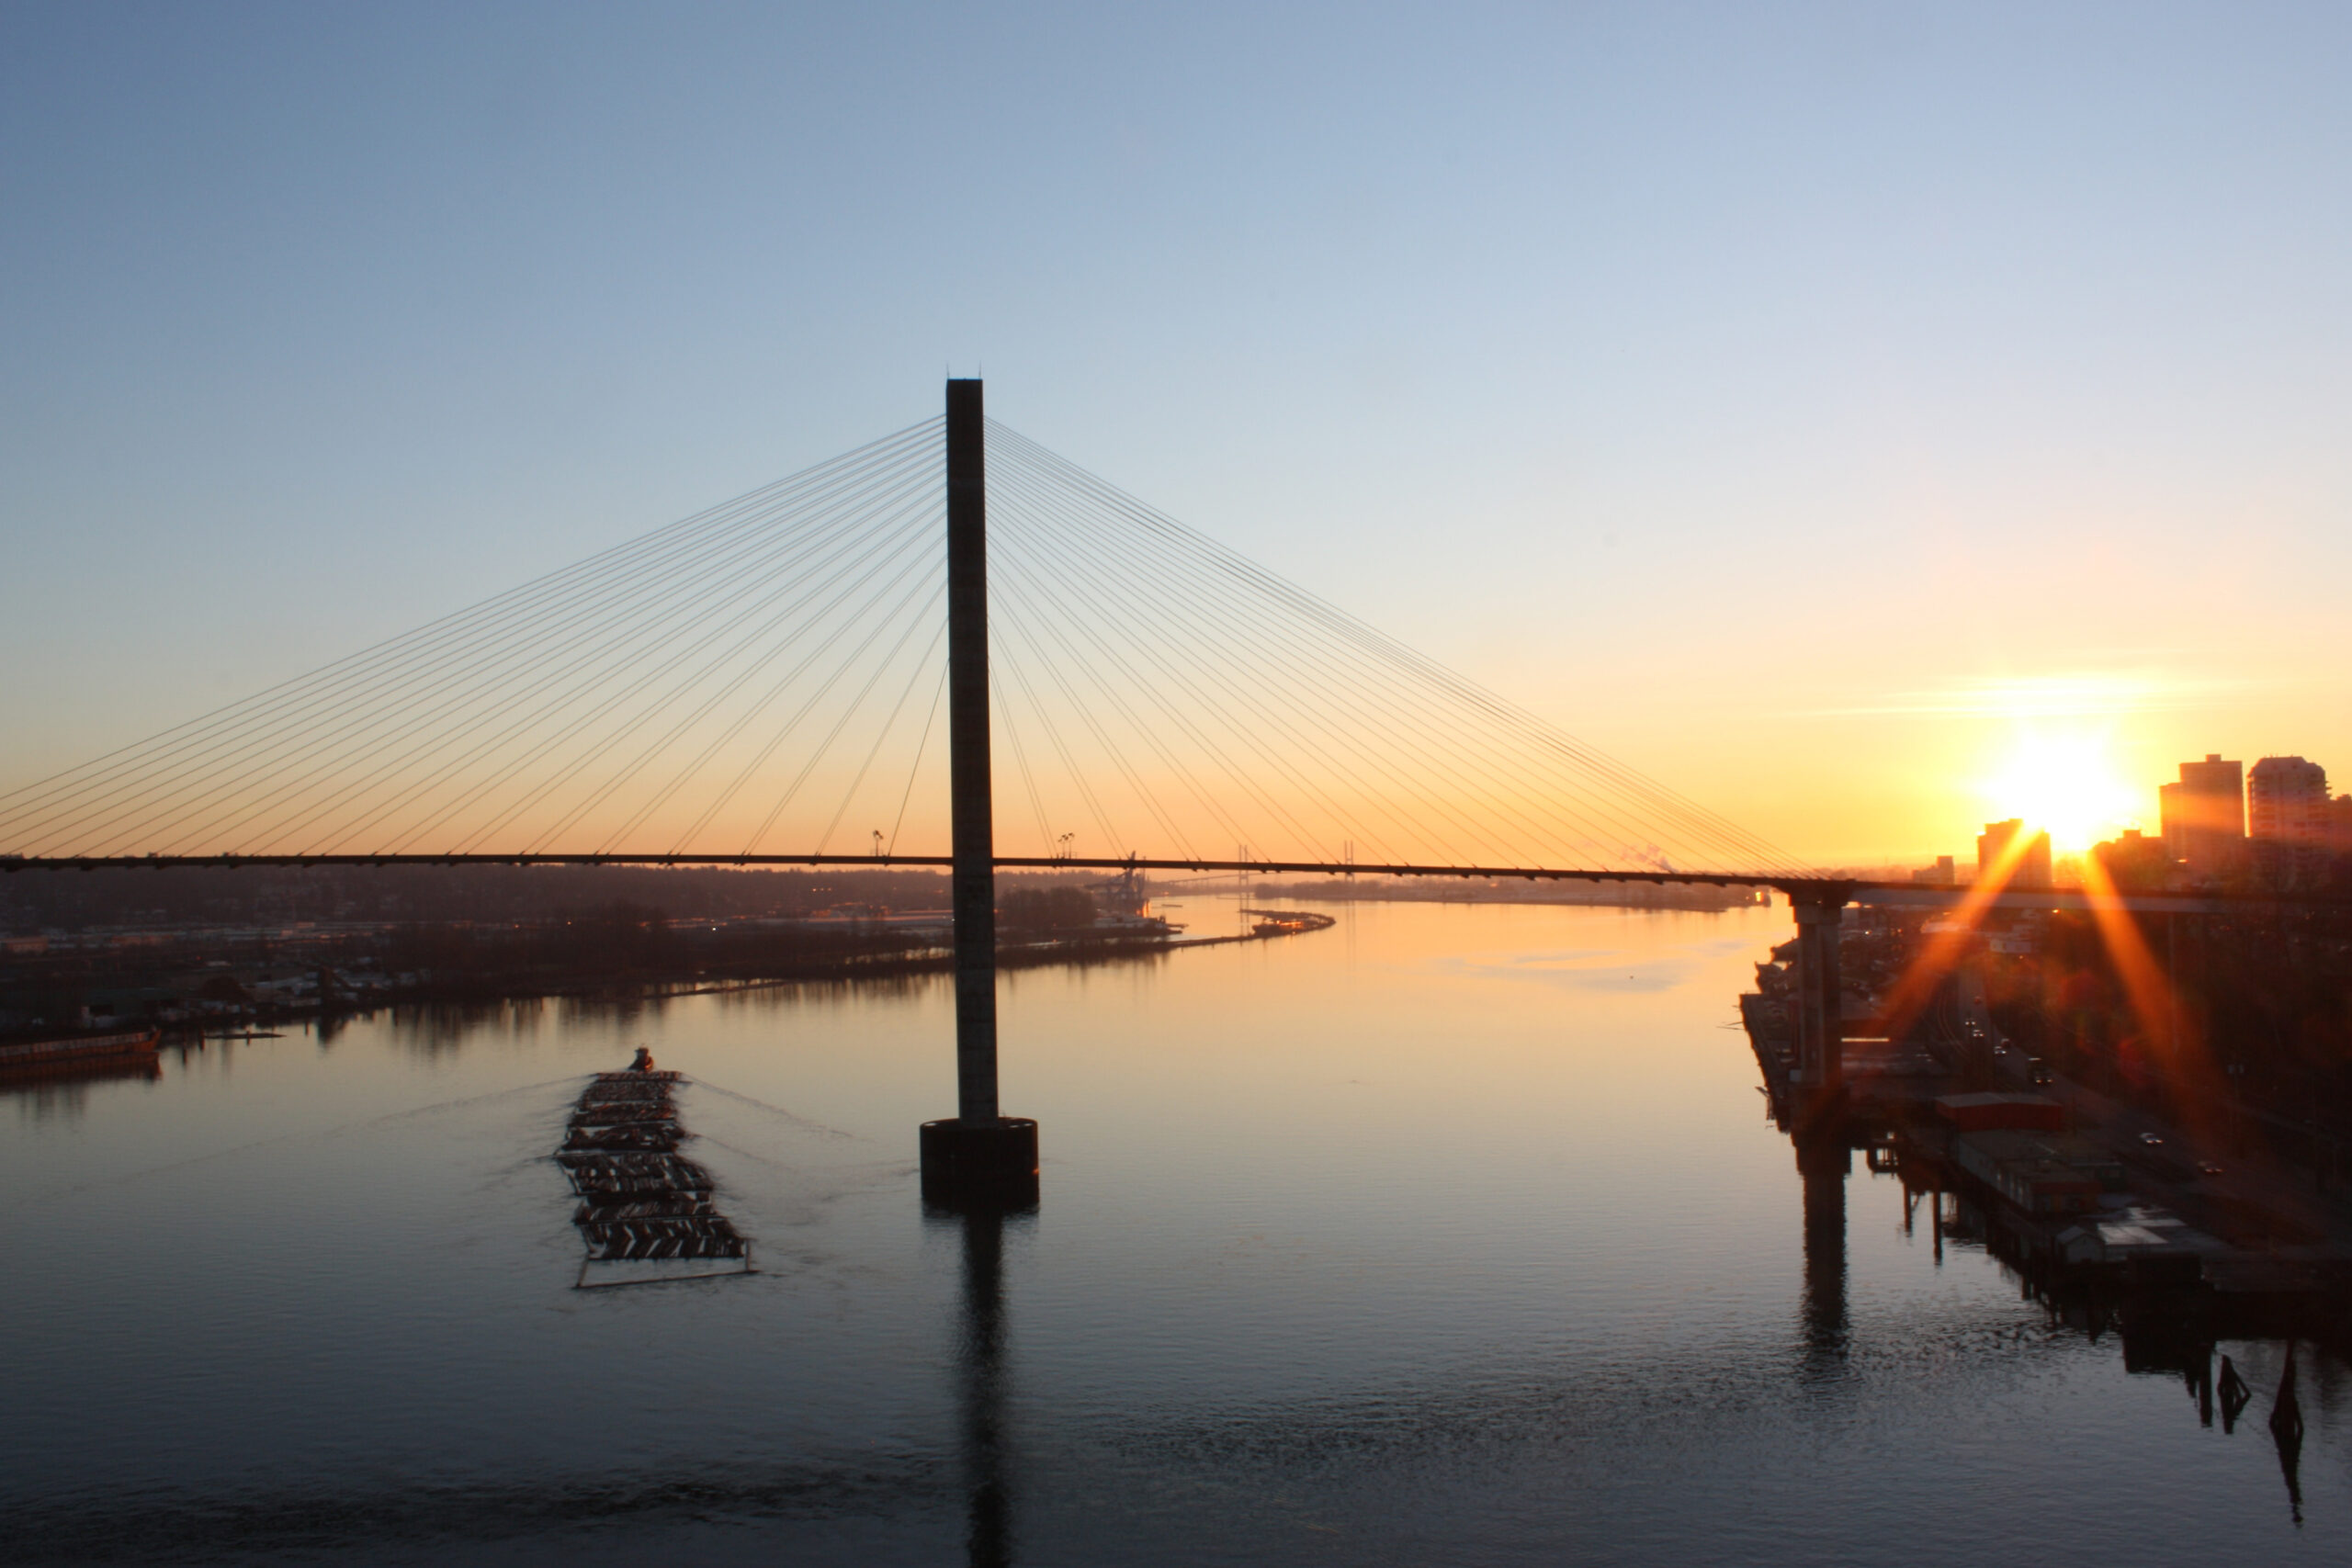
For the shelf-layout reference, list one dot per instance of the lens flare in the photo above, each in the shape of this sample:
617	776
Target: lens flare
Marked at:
2064	783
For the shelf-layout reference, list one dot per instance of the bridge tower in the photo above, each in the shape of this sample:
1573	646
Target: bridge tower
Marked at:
1820	1064
980	1158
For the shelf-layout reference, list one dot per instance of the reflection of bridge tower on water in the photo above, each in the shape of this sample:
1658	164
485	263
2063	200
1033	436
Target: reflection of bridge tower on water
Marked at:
979	1394
1823	1165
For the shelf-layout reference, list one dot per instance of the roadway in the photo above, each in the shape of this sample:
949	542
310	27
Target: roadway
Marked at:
1803	888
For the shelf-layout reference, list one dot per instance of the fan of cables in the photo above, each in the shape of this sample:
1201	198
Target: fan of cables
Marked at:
1156	691
768	678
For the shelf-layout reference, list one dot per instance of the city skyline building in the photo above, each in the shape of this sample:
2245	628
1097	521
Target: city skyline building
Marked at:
2032	867
2203	816
2290	818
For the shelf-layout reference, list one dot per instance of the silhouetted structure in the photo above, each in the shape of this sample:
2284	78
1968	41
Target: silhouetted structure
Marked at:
2204	816
2290	810
981	1157
1819	999
2134	863
2031	866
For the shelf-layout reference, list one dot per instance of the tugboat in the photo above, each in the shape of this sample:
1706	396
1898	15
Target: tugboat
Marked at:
1288	922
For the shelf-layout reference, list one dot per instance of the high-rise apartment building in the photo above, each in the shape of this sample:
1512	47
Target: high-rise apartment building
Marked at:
2291	816
2288	800
2204	815
1993	846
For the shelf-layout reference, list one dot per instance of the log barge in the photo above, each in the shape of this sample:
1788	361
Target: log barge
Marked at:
641	1202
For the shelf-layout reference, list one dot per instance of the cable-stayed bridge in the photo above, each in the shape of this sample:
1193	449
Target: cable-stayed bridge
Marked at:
802	675
767	683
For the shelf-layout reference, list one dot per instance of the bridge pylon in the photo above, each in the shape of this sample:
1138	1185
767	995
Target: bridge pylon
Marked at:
1818	1073
980	1158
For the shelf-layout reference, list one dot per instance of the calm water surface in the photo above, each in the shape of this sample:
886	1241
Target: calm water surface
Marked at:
1453	1234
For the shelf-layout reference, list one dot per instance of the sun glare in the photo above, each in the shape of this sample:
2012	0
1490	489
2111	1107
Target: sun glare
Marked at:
2066	784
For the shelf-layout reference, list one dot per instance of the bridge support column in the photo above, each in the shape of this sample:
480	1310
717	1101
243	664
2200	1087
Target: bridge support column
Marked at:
981	1159
1820	1064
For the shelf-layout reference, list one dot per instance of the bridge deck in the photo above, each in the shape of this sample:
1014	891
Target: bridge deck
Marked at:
1824	888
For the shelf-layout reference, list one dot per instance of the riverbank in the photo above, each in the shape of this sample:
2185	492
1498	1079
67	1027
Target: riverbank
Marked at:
2101	1205
198	986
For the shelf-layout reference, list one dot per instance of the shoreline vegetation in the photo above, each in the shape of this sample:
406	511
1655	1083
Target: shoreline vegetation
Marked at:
211	950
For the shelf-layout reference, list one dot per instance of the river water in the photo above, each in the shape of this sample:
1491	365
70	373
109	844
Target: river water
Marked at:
1453	1234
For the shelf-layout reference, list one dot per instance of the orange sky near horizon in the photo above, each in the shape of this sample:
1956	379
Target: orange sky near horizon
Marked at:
2082	757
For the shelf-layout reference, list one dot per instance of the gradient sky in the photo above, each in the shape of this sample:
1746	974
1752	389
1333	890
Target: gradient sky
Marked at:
1853	415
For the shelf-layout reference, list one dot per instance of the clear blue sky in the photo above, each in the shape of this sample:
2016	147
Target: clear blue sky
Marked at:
1751	387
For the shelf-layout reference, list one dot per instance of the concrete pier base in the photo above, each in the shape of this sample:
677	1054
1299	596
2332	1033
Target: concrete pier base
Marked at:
988	1167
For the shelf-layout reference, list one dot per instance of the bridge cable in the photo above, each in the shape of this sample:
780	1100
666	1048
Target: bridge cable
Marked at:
298	699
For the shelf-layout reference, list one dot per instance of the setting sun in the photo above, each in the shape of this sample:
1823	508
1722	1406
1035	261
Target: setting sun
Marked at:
2067	785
